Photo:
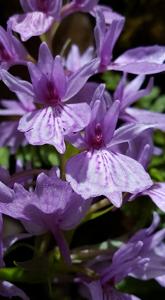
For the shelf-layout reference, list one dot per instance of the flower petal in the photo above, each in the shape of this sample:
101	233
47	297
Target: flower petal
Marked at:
141	60
30	24
147	117
43	127
101	173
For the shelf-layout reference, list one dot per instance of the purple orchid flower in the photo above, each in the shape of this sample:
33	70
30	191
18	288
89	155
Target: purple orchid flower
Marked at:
75	60
50	89
142	257
9	134
7	289
141	60
53	206
38	18
129	94
11	50
101	170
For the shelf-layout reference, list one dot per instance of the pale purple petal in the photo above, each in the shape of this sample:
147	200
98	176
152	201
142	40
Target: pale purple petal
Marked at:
109	14
101	173
147	117
20	87
110	40
161	280
132	93
157	194
30	24
75	60
45	60
141	60
110	121
59	77
75	117
128	132
43	126
79	78
10	136
11	108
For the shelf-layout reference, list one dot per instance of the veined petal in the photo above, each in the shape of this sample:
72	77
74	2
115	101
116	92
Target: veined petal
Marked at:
75	117
141	60
157	194
30	24
101	173
45	60
147	117
43	127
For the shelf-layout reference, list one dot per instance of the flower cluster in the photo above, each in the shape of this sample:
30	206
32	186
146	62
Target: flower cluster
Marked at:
110	145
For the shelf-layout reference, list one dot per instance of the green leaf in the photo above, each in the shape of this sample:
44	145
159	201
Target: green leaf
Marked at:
111	80
4	157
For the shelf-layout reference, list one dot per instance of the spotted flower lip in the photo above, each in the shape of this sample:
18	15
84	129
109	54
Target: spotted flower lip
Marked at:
51	88
102	171
37	19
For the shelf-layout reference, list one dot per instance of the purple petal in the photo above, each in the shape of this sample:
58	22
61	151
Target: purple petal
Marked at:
59	77
10	136
157	194
128	132
79	78
146	117
75	117
161	280
141	60
22	88
30	24
43	126
45	60
110	121
101	173
132	93
110	40
11	108
99	31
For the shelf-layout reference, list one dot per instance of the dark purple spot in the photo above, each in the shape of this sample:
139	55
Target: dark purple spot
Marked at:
52	97
43	5
4	55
